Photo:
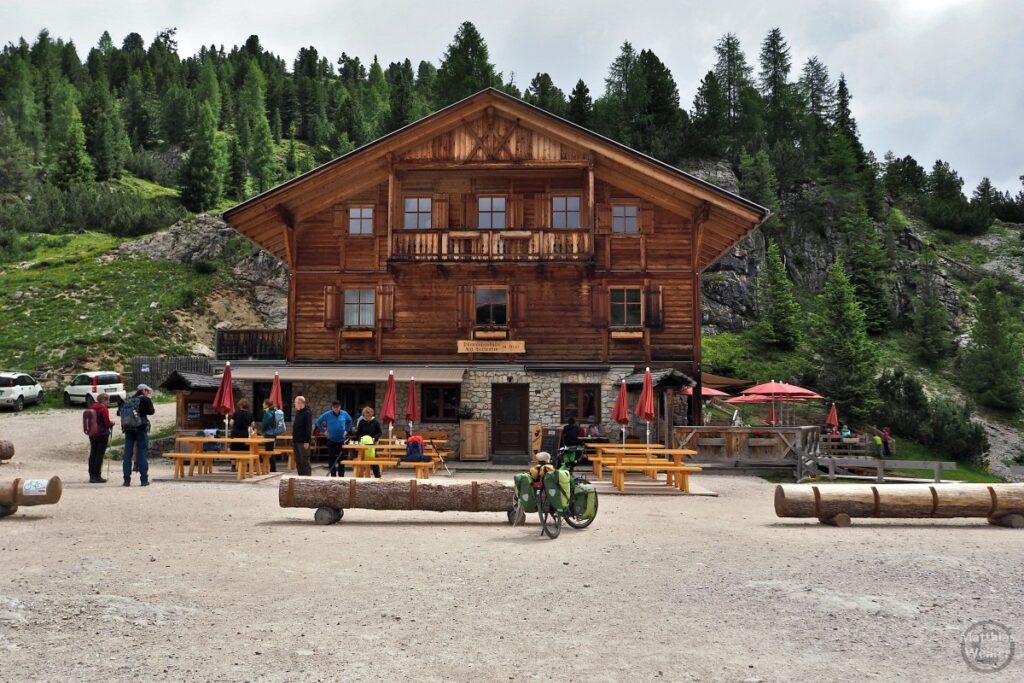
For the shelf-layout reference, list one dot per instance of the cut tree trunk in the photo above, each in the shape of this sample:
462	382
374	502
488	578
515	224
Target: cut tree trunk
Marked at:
395	494
30	492
6	450
837	503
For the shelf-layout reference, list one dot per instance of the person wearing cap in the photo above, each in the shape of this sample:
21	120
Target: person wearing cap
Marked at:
137	439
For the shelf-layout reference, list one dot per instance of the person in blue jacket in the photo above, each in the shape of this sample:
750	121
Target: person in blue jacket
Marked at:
336	424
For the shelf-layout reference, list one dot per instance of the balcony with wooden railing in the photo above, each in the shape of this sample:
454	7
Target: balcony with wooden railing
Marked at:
250	344
489	246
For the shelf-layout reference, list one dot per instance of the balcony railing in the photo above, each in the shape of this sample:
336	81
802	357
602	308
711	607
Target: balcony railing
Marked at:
250	344
473	246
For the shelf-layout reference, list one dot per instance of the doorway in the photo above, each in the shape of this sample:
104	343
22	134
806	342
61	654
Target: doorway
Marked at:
510	417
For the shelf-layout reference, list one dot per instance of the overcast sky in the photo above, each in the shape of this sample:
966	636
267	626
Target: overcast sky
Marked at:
930	78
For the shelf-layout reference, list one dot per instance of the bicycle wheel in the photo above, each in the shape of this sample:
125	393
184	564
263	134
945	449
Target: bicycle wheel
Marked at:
516	516
550	521
570	515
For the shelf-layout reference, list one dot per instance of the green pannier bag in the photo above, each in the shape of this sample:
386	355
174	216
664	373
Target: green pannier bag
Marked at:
556	485
524	492
584	501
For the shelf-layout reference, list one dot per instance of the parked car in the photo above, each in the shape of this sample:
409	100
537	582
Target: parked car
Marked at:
84	388
17	389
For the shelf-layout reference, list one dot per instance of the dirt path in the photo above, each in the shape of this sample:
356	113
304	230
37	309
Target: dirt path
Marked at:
215	582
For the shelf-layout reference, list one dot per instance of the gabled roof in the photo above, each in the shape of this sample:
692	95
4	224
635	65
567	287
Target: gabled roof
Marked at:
269	218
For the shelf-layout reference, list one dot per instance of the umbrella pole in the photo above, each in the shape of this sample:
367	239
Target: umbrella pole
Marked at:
622	429
648	432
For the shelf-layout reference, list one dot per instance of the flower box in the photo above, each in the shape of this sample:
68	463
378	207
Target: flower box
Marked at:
627	334
711	441
762	441
357	334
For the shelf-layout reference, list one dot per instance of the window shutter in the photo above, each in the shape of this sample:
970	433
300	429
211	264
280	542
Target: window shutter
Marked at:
439	211
386	306
542	210
332	307
465	304
604	219
599	304
517	304
646	219
340	216
653	307
470	219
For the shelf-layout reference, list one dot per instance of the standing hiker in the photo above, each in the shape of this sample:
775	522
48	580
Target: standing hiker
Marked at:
336	424
135	413
98	426
302	433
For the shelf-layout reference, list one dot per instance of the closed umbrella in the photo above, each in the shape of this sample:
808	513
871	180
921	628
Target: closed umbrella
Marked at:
412	406
645	406
833	417
224	401
275	393
620	413
388	411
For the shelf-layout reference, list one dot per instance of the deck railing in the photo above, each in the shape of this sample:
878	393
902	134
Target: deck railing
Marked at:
250	344
491	245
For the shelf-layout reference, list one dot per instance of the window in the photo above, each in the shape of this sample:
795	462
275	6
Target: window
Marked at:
359	307
490	212
441	402
81	381
582	401
261	391
565	212
623	218
360	220
354	397
491	306
417	213
626	308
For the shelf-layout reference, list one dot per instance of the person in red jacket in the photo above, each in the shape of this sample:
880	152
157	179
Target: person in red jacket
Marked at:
98	443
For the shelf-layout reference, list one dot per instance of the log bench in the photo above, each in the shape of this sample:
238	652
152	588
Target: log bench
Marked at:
675	475
329	496
202	462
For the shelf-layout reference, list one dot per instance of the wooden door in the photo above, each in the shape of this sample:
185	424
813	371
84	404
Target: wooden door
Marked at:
510	416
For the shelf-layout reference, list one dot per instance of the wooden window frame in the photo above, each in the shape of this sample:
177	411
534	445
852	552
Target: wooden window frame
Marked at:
579	210
355	387
579	388
495	326
611	307
636	218
360	308
480	212
419	212
361	219
425	389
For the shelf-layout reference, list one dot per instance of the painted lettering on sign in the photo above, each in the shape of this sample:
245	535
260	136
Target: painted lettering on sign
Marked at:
484	346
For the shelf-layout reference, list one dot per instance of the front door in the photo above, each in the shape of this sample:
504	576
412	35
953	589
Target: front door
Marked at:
510	418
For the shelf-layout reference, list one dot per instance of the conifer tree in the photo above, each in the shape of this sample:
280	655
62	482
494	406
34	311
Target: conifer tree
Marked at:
254	134
544	94
991	365
68	159
376	101
845	359
202	176
106	138
779	105
580	107
709	123
868	269
734	77
236	171
757	180
931	335
140	113
15	162
777	307
465	67
18	101
207	90
175	114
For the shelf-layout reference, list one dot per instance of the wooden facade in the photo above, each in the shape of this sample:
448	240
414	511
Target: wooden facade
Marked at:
560	266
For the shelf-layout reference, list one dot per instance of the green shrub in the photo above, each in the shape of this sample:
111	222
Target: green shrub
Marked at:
204	267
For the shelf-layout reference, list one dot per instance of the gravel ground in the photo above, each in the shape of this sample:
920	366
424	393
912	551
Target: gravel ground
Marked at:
215	582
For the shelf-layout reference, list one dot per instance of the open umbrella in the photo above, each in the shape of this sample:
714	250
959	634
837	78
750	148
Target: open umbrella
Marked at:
412	406
773	417
388	410
224	401
620	413
705	392
833	417
781	391
645	406
275	393
747	399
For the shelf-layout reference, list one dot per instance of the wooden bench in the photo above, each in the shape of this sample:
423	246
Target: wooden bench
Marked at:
245	463
675	475
363	467
423	468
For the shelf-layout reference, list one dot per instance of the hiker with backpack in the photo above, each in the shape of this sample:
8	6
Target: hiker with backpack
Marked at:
271	427
336	424
96	423
135	413
368	431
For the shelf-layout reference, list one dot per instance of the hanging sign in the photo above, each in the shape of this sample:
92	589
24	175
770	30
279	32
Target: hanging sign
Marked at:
491	346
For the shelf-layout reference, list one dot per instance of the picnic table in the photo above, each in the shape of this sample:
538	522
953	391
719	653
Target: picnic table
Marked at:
650	461
202	460
362	466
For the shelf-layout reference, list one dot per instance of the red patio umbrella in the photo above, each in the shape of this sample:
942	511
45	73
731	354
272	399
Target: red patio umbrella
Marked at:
224	401
389	410
747	399
645	406
833	417
275	393
705	392
412	406
781	391
620	413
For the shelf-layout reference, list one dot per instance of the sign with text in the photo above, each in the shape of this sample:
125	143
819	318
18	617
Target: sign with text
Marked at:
491	346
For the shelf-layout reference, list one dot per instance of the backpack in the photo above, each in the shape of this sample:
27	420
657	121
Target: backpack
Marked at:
130	417
278	422
91	423
414	450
